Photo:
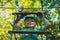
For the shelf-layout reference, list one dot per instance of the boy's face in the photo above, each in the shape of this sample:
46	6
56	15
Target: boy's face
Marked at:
29	23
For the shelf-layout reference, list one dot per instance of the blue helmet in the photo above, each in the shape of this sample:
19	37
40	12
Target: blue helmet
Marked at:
32	17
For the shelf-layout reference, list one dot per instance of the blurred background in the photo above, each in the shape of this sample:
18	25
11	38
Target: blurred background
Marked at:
7	7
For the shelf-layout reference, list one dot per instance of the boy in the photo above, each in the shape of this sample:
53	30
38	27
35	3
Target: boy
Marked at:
29	23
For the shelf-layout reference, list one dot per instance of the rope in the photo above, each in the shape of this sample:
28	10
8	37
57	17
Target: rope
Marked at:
16	6
44	19
43	15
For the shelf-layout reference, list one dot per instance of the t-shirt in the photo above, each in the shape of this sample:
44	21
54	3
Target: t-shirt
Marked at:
29	36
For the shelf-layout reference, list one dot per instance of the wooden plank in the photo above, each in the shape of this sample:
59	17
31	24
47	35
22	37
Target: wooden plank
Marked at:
29	32
17	13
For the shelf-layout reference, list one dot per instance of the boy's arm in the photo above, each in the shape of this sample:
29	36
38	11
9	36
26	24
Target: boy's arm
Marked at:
16	26
48	24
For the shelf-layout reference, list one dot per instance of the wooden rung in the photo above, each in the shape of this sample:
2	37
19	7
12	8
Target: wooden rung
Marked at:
29	32
17	13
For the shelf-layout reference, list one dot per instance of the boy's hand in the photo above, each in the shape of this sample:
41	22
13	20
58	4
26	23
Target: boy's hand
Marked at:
40	15
22	15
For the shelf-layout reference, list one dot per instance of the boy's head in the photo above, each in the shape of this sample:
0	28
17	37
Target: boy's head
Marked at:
29	21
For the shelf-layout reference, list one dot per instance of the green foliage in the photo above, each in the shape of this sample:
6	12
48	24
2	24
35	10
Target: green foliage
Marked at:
53	15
